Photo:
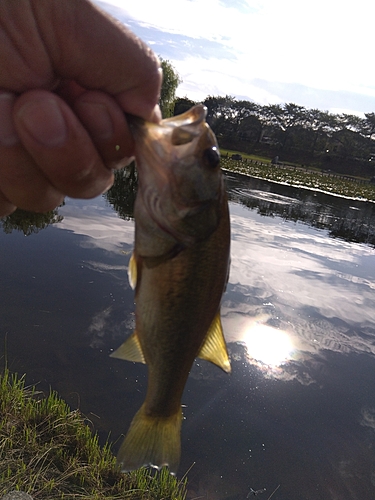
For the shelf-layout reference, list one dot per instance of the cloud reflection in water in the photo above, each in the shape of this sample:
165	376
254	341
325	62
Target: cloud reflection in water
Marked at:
294	294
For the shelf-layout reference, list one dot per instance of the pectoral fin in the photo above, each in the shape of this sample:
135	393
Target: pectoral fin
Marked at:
214	348
130	350
132	271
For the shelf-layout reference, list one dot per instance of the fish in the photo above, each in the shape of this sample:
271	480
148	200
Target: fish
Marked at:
179	269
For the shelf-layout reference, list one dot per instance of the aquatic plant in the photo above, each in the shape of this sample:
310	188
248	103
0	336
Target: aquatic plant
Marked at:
299	177
49	451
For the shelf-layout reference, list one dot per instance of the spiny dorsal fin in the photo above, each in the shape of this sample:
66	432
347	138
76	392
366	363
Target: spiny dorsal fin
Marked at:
214	348
130	350
132	271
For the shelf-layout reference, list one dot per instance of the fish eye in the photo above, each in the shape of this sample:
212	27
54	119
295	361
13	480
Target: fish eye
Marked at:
211	157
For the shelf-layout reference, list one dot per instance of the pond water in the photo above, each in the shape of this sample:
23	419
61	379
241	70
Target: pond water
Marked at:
298	411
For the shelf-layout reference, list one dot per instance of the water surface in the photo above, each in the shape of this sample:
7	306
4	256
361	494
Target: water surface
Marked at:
299	408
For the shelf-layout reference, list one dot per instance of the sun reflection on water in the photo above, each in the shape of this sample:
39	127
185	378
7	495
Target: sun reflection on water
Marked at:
268	345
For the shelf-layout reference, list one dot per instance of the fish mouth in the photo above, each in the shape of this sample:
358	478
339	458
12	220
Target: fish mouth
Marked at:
182	128
174	187
159	147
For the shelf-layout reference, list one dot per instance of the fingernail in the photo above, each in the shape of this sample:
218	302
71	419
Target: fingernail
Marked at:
100	122
8	134
44	121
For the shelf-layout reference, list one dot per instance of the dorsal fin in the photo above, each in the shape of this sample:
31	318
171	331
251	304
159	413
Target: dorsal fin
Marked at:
130	350
214	348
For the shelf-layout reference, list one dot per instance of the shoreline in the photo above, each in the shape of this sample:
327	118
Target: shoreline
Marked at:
339	187
48	451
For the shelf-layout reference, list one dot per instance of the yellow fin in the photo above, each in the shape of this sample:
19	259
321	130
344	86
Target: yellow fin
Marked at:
214	348
132	271
130	350
151	441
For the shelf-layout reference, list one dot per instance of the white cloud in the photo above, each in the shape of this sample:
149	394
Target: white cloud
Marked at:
303	280
320	44
103	229
208	19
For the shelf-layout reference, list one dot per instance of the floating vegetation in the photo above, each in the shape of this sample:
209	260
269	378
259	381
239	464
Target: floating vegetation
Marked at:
49	451
299	177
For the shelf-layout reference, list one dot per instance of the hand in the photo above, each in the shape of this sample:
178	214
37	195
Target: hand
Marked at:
68	72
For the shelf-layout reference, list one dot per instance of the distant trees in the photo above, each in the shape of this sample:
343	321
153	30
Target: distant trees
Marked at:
341	142
171	81
182	104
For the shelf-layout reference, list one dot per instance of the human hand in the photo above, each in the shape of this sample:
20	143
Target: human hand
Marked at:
68	72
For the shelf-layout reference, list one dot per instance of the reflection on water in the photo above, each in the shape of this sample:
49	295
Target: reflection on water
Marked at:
299	408
350	220
29	222
270	346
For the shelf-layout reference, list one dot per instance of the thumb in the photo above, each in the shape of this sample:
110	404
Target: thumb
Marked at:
86	45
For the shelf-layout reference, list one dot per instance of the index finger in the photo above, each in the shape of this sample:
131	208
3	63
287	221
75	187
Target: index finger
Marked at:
80	43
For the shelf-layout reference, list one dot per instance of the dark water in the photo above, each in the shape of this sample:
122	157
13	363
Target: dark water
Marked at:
299	316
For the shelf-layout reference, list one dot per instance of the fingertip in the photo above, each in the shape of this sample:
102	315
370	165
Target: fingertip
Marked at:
106	123
6	207
61	146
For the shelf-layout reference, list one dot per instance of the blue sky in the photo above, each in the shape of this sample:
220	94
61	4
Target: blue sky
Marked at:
318	54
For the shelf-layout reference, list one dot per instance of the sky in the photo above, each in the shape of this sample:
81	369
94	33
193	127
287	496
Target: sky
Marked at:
317	54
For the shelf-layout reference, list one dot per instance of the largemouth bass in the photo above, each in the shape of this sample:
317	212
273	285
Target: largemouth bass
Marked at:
179	269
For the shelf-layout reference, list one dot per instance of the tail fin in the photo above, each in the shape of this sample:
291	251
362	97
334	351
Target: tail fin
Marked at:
151	441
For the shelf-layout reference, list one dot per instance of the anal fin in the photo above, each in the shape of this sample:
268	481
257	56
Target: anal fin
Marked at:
130	350
214	348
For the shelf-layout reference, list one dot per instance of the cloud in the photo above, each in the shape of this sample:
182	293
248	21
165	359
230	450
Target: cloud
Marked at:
225	47
303	287
317	269
104	229
110	326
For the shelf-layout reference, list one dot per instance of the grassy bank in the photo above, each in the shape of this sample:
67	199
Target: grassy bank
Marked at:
49	451
301	177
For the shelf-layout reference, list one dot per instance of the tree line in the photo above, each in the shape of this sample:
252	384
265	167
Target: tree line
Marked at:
292	133
339	142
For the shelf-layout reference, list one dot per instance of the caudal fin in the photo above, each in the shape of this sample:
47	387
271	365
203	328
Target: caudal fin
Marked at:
151	441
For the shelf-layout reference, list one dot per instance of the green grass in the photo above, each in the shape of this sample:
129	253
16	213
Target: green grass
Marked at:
49	451
300	177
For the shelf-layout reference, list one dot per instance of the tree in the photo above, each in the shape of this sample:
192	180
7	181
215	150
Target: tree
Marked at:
171	81
319	125
349	140
249	126
370	124
222	115
124	191
182	104
29	222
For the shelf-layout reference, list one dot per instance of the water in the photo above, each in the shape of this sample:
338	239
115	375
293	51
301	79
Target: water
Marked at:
298	411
